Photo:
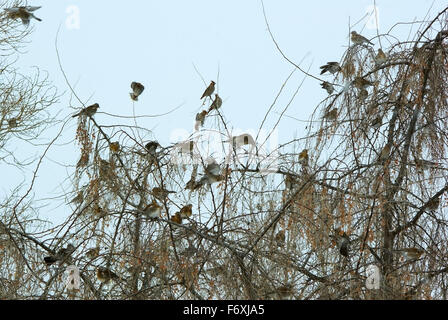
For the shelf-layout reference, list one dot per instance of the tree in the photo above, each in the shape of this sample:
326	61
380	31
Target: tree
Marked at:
169	222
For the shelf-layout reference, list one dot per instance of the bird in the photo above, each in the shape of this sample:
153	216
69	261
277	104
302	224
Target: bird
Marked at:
208	179
114	146
361	83
152	210
176	218
105	275
88	111
327	86
25	13
363	94
377	122
359	39
200	119
380	58
92	253
12	123
61	255
426	164
280	238
281	292
137	89
160	193
212	168
79	198
332	67
151	147
186	211
385	153
303	157
290	181
191	184
216	104
209	91
241	140
412	253
331	114
342	242
433	204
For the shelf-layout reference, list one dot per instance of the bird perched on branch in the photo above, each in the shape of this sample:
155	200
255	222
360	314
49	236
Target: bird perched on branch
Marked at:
137	89
412	253
200	119
212	168
377	122
88	111
160	193
105	275
331	114
152	210
241	140
332	67
25	13
209	91
385	153
359	39
280	238
186	211
216	104
92	253
380	57
61	255
151	147
176	218
327	86
342	242
114	147
361	83
433	204
303	157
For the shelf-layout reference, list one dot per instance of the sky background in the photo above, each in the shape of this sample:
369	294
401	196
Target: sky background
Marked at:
105	45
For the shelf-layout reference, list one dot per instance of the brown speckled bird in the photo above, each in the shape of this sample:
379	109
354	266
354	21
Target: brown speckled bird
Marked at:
209	91
160	193
331	114
92	253
385	153
359	39
303	157
152	210
88	111
361	83
186	211
412	253
114	147
105	275
137	89
176	218
380	57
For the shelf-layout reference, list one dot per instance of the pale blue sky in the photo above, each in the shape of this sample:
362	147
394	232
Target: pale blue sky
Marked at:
157	43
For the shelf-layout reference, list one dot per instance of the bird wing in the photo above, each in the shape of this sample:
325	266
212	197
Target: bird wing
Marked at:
12	10
31	8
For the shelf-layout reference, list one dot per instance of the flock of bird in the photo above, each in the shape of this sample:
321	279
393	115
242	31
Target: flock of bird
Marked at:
359	82
213	172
